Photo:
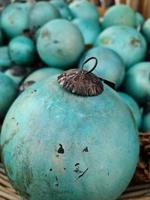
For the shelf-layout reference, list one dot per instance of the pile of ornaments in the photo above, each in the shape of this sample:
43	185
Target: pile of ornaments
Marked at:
44	38
39	40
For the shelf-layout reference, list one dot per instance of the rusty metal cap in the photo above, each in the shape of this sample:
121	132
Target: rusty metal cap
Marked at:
81	82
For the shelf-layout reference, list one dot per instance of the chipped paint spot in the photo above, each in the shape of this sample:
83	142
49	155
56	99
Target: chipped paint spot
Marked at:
86	149
61	149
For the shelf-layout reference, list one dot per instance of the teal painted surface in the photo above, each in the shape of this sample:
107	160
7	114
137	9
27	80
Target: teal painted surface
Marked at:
43	73
15	19
133	106
17	78
60	43
146	122
59	146
39	75
8	92
146	29
139	20
41	13
84	9
110	65
37	33
21	50
90	29
119	15
63	8
126	41
137	82
5	60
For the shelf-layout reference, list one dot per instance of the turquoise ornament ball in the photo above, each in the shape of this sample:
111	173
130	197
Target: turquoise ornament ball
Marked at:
5	60
22	50
41	13
139	20
90	29
119	15
43	73
110	65
8	92
84	9
126	41
137	82
146	30
63	8
133	106
63	146
16	73
60	43
39	75
15	19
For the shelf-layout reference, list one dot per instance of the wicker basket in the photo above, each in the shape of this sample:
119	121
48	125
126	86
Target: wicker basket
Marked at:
142	6
6	190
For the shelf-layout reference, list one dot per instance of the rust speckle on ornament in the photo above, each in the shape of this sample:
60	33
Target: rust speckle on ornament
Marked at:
135	42
83	173
86	149
46	34
57	183
61	149
25	85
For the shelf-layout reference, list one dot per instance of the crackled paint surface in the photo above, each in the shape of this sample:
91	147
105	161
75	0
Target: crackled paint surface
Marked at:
59	146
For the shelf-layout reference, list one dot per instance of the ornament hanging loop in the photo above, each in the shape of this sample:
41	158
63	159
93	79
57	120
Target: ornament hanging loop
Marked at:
91	58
